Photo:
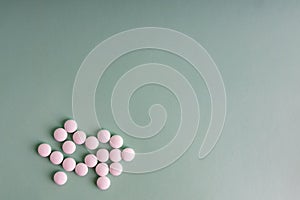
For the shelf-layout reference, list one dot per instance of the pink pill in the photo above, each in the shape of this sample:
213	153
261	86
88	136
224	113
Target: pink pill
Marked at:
60	134
44	150
102	155
91	160
115	169
115	155
103	136
102	169
116	141
69	164
81	169
56	157
69	147
60	178
79	137
91	143
103	183
70	126
128	154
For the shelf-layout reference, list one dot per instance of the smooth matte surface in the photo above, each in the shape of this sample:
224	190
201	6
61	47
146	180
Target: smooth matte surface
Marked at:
102	169
256	45
102	155
79	137
60	135
116	141
60	178
69	147
91	143
44	150
81	169
115	155
69	164
70	126
90	160
103	136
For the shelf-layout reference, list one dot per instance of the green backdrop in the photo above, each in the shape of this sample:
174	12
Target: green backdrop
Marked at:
256	46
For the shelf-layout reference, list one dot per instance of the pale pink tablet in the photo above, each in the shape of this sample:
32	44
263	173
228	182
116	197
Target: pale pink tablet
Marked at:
60	178
115	169
79	137
128	154
91	142
91	160
69	164
44	150
60	134
81	169
56	157
115	155
116	141
102	155
69	147
103	136
70	126
103	183
102	169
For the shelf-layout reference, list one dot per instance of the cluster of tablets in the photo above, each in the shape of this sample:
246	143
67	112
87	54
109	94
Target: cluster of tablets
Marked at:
104	161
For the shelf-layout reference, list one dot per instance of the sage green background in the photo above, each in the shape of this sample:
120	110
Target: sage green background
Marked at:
256	46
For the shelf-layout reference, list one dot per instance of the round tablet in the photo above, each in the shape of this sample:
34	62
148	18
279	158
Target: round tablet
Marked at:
69	147
44	150
79	137
116	141
128	154
102	169
102	155
103	136
115	155
70	126
60	134
103	183
81	169
69	164
91	142
115	169
90	160
56	157
60	178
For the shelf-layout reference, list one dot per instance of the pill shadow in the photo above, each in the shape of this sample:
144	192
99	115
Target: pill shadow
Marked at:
63	119
36	146
51	174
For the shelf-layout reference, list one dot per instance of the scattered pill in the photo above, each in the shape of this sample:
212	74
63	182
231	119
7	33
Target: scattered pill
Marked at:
81	169
70	126
115	155
103	183
102	155
56	157
69	164
116	141
91	142
102	169
60	178
128	154
69	147
79	137
91	160
103	136
115	169
60	134
44	150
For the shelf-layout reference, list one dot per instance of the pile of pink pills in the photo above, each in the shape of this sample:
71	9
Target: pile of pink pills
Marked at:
105	162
